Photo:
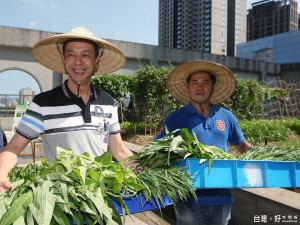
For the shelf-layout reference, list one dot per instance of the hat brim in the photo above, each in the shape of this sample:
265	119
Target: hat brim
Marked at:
224	87
48	52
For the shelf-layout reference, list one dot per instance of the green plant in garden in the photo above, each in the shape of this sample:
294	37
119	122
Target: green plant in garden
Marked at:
293	125
152	98
258	130
116	85
246	102
137	127
272	153
275	94
151	101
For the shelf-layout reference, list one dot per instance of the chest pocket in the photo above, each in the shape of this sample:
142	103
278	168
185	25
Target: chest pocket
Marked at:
99	112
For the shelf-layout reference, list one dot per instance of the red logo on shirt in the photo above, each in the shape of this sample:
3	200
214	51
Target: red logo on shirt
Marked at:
220	124
161	130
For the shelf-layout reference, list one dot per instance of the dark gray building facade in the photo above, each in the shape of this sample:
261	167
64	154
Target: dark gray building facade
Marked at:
270	17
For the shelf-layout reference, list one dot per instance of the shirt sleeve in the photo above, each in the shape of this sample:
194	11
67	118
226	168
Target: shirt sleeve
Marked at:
114	123
31	124
236	136
170	124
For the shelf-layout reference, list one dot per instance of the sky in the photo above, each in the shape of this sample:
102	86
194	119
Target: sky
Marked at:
124	20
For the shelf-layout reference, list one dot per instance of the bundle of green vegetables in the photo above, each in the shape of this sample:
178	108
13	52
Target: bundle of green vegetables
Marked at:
272	153
165	152
77	188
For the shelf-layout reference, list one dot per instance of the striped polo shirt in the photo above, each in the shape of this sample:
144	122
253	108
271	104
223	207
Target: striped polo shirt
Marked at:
63	119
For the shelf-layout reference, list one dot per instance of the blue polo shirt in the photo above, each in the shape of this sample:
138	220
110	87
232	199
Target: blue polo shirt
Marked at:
219	128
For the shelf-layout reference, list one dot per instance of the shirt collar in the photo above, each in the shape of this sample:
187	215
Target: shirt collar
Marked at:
69	94
192	110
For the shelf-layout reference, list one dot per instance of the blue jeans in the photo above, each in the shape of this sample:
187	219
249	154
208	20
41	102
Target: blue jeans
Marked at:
202	214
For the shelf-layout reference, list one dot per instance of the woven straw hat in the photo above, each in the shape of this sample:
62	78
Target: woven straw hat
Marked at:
224	86
49	51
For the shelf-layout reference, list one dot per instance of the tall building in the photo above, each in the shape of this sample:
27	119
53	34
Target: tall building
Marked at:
270	17
281	48
211	26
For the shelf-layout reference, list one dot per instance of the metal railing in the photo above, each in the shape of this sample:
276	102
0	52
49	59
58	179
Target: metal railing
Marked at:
8	103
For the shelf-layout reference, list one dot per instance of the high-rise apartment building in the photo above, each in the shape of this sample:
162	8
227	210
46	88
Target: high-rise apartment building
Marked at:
269	17
211	26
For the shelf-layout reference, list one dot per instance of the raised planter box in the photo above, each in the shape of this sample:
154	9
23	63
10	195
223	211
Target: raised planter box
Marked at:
242	173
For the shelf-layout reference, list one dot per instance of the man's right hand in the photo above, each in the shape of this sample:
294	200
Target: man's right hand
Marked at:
4	183
9	158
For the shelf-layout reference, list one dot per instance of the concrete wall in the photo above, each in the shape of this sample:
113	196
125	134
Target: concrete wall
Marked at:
16	58
6	123
291	71
272	205
16	44
257	206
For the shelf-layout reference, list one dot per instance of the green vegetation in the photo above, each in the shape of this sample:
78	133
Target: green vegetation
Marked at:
174	146
151	102
272	153
78	188
258	130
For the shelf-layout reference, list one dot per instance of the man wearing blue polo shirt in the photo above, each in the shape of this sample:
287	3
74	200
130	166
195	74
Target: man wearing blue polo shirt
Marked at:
201	85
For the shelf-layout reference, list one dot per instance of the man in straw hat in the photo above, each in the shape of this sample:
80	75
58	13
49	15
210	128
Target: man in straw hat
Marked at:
201	85
74	115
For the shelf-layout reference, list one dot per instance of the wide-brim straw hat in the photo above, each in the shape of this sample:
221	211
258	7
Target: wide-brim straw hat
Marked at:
224	87
49	51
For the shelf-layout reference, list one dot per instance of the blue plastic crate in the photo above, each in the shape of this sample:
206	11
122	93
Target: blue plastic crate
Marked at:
297	169
242	173
139	204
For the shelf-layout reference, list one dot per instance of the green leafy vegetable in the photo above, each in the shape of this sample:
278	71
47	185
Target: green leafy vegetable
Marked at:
172	182
271	153
77	188
165	152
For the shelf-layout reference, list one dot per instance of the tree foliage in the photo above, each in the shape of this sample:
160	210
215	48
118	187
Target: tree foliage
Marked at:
246	102
151	101
152	98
